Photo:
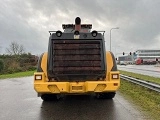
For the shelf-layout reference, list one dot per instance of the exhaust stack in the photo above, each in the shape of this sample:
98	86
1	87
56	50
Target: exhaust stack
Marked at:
77	24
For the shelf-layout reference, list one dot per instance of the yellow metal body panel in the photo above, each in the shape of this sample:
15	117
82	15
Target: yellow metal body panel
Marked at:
73	87
44	65
109	63
109	84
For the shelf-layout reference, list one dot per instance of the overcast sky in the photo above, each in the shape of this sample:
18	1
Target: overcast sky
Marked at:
27	22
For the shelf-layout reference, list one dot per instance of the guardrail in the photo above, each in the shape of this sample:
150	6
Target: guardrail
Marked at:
152	86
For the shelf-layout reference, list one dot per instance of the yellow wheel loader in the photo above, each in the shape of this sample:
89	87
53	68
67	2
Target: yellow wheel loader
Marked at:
76	63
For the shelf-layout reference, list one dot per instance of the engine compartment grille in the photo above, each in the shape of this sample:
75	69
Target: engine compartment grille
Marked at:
77	59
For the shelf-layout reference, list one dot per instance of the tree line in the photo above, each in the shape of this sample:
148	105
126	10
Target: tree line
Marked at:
17	60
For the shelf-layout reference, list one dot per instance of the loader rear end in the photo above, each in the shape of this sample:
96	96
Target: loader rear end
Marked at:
76	63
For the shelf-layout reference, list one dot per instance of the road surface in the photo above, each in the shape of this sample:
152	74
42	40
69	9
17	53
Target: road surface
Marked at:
18	101
150	70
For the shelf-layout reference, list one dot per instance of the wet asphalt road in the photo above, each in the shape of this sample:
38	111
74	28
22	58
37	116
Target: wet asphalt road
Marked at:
150	70
19	101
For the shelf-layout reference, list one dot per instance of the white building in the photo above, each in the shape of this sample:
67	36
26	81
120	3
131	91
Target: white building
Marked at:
147	56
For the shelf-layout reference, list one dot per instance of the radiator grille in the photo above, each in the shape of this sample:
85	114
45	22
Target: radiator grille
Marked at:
77	59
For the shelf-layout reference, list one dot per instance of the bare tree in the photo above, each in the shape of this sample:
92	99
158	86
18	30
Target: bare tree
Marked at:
15	49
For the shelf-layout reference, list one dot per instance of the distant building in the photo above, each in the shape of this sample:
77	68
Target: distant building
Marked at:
145	56
127	59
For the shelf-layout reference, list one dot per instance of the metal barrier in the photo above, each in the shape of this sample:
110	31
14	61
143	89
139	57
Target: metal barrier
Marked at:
149	85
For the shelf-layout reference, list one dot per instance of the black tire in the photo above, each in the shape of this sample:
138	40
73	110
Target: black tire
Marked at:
50	97
108	95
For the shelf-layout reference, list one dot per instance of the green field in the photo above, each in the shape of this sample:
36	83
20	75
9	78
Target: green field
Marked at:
148	100
16	75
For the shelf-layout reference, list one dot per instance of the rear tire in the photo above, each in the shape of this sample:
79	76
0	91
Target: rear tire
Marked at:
108	95
50	97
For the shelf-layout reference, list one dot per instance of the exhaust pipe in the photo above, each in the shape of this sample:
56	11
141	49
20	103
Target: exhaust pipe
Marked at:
77	24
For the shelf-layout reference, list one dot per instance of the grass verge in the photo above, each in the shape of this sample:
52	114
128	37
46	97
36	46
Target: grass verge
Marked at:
140	76
148	100
16	75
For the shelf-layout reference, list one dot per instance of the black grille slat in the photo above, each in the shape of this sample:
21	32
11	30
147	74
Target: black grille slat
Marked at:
75	46
77	64
75	42
77	68
77	57
77	52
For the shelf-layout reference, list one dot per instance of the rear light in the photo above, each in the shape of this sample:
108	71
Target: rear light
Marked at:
38	77
115	76
94	33
58	33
